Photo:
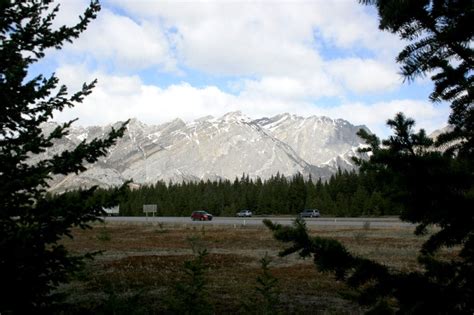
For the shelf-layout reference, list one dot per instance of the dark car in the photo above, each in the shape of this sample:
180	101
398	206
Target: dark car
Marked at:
309	213
244	213
201	215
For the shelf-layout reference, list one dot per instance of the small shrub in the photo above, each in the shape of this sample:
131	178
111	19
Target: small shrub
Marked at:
161	228
118	303
366	225
266	294
360	237
191	295
104	234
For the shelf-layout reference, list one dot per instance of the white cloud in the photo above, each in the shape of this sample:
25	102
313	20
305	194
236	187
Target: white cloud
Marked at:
427	115
122	97
117	40
289	88
281	56
348	24
69	11
364	75
277	39
239	38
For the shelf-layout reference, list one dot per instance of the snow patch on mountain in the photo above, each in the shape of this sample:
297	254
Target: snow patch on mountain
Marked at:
216	148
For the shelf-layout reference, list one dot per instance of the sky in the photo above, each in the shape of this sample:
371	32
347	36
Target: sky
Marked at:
161	60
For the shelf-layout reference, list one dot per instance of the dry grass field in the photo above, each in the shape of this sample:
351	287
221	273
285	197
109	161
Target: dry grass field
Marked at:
141	264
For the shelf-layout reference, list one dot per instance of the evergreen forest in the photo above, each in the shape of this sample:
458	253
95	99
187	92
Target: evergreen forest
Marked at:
344	194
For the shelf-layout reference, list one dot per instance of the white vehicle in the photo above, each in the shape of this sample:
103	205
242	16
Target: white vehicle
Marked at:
244	213
112	211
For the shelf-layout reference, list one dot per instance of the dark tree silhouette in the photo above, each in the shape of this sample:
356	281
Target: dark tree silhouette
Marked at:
32	261
440	33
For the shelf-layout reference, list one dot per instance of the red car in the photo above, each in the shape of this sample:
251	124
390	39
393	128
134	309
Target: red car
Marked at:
201	215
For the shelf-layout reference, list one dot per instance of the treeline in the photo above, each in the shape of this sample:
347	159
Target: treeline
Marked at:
345	194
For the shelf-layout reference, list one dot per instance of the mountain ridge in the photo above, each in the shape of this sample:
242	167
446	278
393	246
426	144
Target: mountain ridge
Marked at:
215	148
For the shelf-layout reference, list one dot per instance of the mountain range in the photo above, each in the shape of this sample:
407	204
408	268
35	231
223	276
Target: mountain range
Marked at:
214	148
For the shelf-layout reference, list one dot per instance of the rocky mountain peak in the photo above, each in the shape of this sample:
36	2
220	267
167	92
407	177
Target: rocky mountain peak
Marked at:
135	124
236	116
219	148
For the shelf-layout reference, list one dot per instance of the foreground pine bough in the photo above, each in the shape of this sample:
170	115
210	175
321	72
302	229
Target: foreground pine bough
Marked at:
414	292
32	261
432	188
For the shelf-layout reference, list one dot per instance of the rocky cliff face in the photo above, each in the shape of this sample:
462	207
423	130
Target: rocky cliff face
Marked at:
216	148
320	141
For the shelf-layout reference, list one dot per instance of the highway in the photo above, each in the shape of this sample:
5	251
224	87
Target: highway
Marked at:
255	221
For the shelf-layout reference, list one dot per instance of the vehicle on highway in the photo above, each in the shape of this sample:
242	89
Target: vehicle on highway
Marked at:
309	213
244	213
201	215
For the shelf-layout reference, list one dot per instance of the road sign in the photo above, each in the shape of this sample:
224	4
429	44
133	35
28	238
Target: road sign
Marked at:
150	209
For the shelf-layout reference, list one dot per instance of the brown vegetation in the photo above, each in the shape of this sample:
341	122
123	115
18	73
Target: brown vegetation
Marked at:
141	264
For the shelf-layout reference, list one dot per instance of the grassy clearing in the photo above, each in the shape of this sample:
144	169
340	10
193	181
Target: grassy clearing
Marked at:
141	265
